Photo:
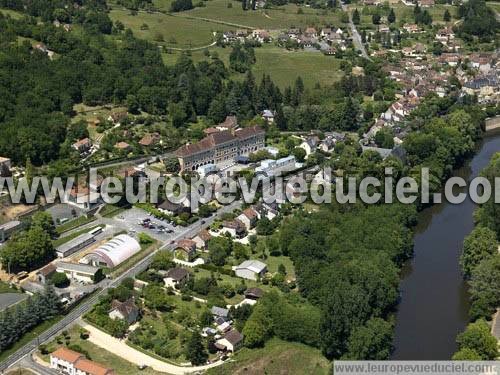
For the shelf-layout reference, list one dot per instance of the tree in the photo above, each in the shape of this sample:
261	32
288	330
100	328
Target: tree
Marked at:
60	280
485	287
446	16
355	17
372	341
172	165
481	243
478	338
384	138
44	220
195	350
466	354
162	261
264	227
299	153
391	18
219	249
376	19
180	5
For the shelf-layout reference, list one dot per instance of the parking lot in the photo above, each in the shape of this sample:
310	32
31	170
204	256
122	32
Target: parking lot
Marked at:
160	230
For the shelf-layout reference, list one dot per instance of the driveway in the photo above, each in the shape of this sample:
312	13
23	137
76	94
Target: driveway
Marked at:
121	349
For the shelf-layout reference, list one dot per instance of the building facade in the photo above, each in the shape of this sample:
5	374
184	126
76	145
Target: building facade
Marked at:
221	147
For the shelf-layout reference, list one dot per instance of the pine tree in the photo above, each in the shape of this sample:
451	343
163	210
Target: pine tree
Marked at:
51	301
195	350
355	17
391	18
280	119
446	16
244	4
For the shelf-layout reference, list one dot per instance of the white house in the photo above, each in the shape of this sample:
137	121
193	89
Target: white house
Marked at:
127	311
309	145
176	277
250	269
248	217
69	362
231	341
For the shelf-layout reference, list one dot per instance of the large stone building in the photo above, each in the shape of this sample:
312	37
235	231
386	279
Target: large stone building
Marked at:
221	147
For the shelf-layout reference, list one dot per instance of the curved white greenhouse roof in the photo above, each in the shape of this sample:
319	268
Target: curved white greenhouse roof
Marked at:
113	252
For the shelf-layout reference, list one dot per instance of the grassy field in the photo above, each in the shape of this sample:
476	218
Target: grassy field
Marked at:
283	66
276	18
5	288
75	223
102	356
171	31
277	357
68	238
12	13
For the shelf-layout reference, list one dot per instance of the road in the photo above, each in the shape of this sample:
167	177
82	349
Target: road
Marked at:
356	38
87	304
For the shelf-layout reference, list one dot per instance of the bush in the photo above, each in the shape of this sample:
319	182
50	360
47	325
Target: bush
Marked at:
60	280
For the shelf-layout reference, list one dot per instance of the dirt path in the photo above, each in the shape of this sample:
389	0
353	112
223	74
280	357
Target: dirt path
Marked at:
121	349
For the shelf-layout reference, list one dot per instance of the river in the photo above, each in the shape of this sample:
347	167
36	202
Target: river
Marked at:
434	305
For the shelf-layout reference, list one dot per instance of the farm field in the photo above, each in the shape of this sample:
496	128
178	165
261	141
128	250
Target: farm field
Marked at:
276	18
171	31
277	357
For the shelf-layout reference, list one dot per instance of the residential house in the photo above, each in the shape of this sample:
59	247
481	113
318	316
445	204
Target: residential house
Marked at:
176	277
170	208
426	3
69	362
127	310
201	239
445	35
268	115
5	166
8	228
83	197
254	293
219	312
412	28
83	145
310	144
248	217
231	342
311	32
150	139
251	269
123	146
262	36
235	228
185	250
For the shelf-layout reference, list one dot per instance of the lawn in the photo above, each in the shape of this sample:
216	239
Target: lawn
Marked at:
68	238
99	355
75	223
285	66
5	288
14	14
282	17
277	357
171	31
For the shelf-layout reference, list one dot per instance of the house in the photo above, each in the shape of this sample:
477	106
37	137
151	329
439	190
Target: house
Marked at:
43	275
69	362
176	277
311	32
426	3
8	228
254	293
170	208
231	342
219	312
411	28
201	239
251	269
5	166
186	249
127	310
261	36
248	217
445	35
150	139
123	146
268	115
80	272
309	144
383	28
235	228
83	145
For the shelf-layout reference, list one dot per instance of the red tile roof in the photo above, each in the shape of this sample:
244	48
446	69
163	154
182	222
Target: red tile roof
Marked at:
67	355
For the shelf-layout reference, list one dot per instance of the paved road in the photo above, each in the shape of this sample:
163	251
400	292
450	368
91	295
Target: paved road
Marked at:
356	38
87	304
